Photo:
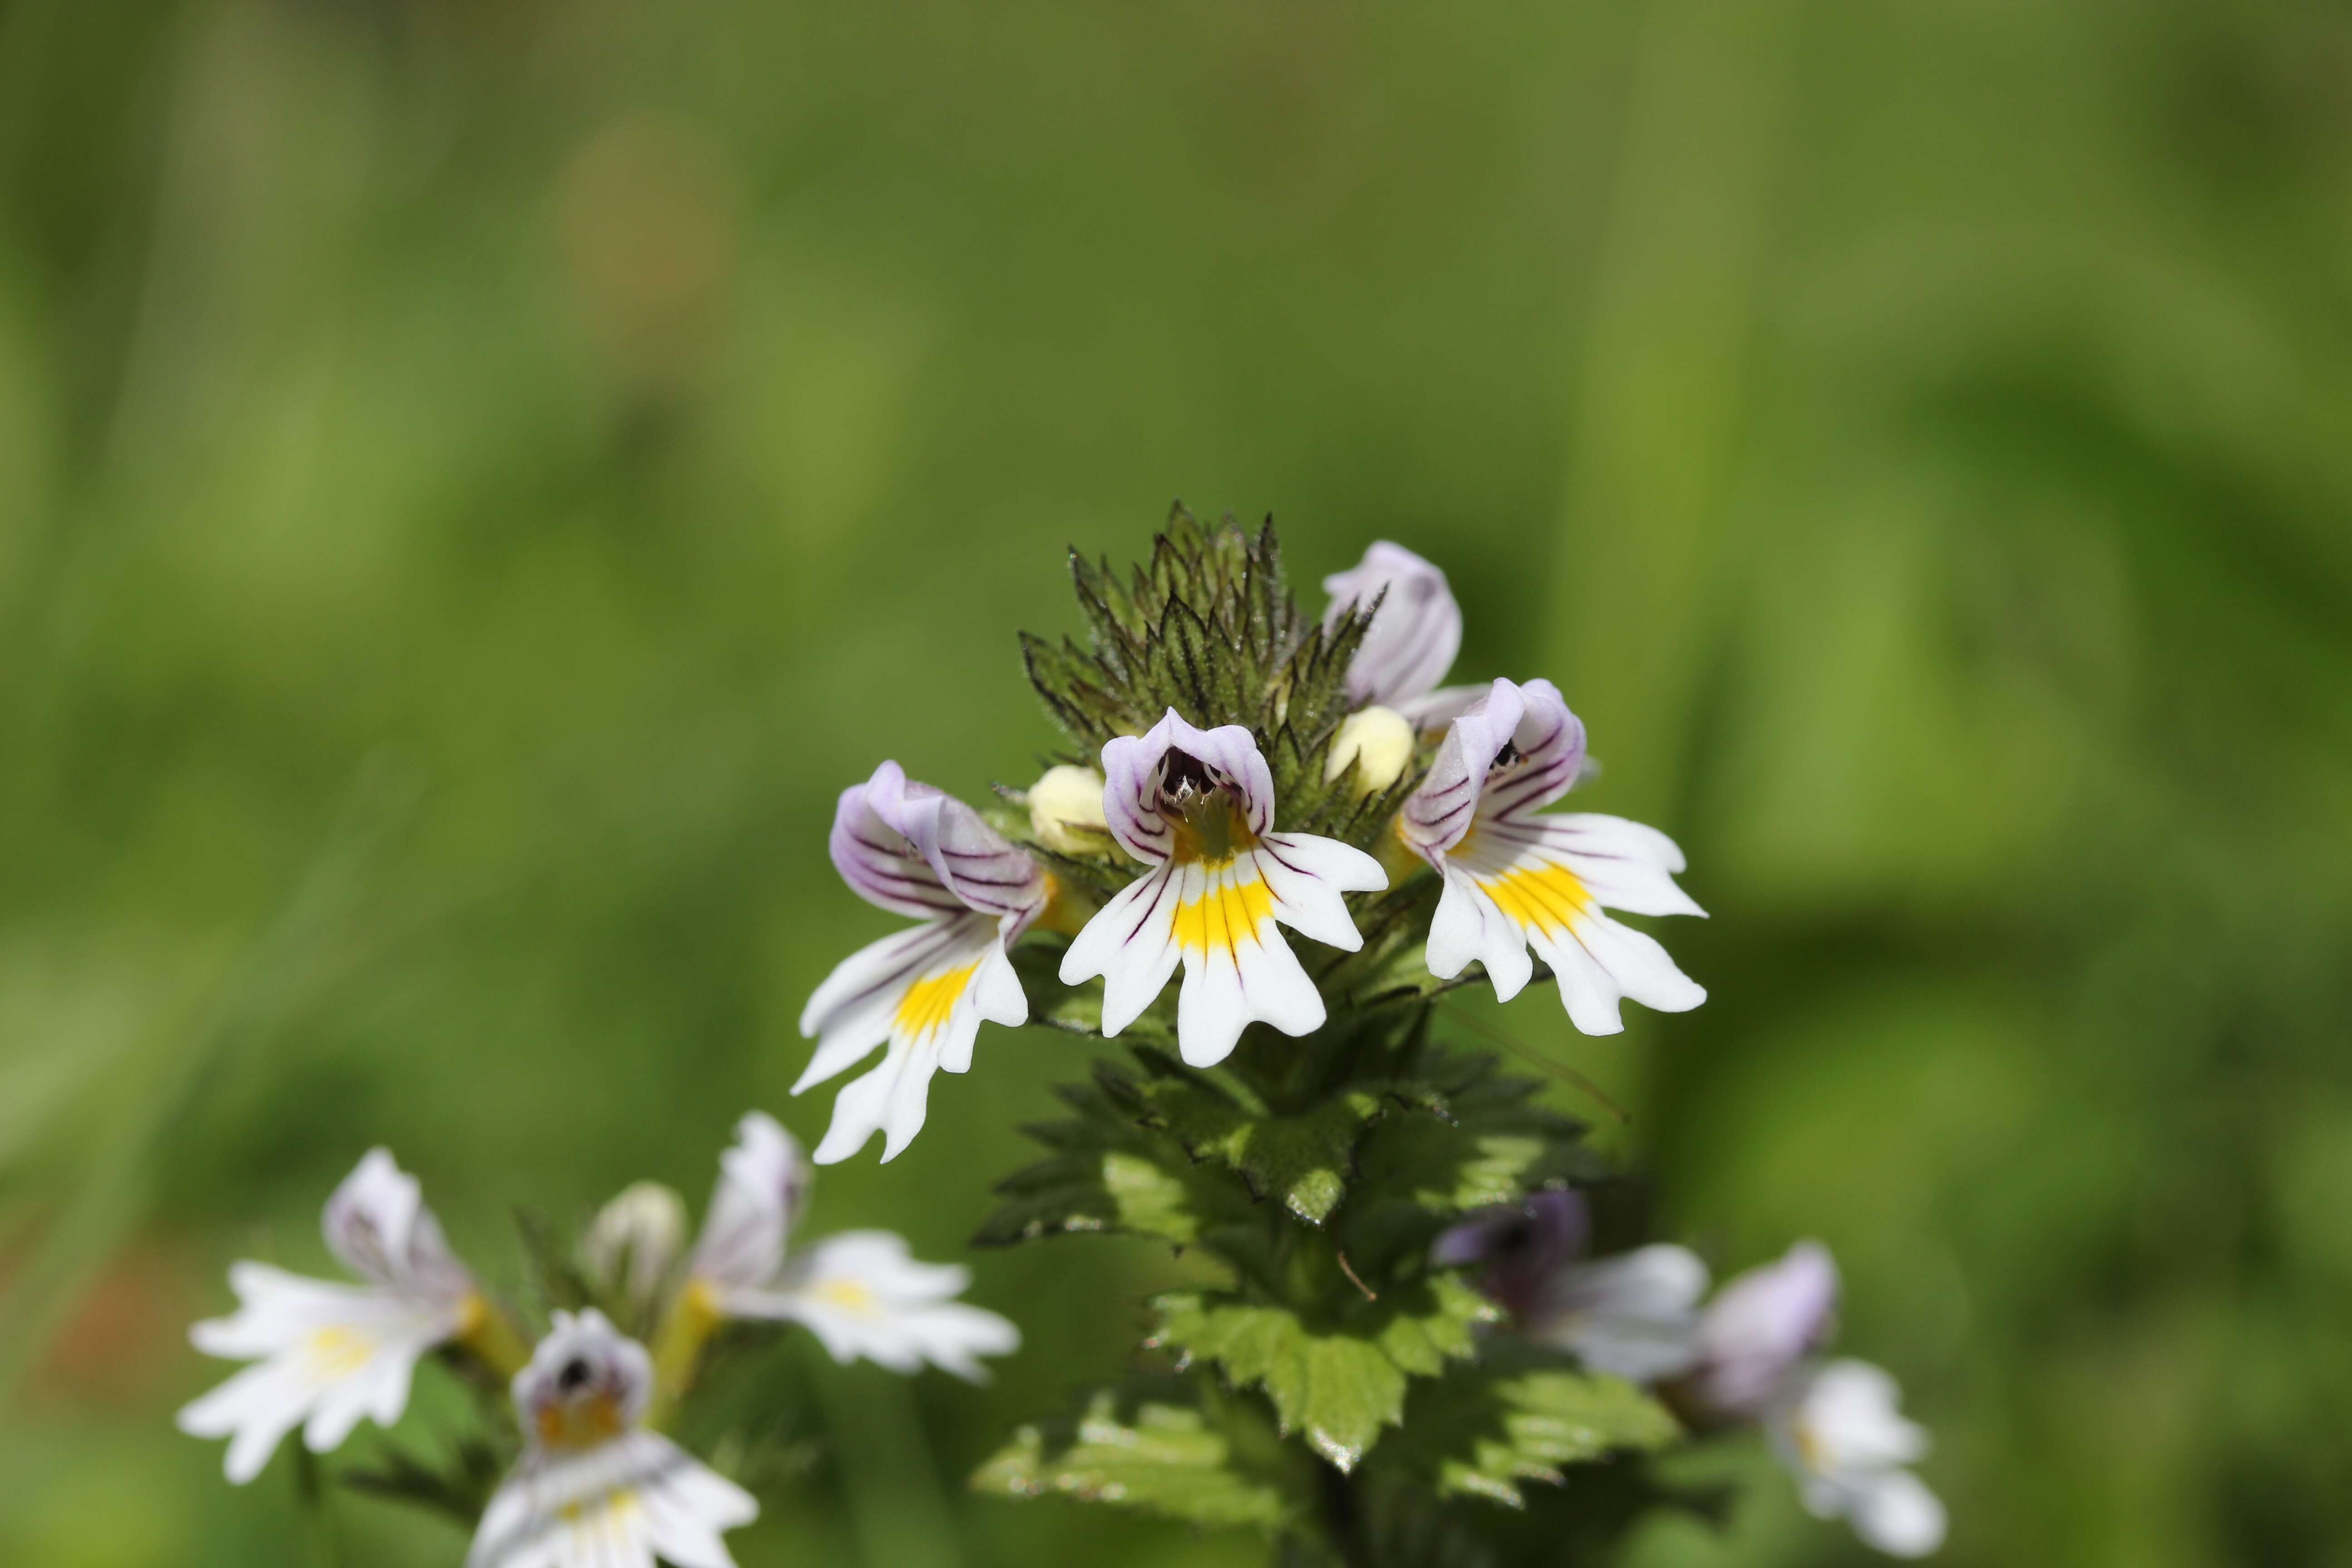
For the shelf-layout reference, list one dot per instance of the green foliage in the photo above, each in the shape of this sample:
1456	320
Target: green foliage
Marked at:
1486	1431
1160	1453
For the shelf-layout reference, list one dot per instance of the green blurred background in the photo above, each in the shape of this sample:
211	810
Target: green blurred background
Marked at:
477	475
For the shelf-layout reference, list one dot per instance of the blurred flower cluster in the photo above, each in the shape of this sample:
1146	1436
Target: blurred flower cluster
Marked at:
583	1472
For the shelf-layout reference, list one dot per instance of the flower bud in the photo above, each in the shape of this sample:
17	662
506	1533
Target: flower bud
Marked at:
635	1243
1065	810
1380	741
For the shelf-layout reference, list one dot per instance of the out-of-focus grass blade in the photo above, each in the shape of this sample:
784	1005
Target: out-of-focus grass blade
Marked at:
284	968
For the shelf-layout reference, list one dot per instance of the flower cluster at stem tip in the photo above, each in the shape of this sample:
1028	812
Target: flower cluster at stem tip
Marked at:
1194	808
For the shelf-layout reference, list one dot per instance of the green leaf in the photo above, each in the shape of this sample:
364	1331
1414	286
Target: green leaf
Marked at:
1482	1435
1338	1390
1422	1343
1164	1458
1302	1160
1150	1201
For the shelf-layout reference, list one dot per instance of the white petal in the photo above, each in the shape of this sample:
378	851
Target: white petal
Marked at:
327	1353
1634	1315
1131	944
862	1295
1852	1415
1467	925
852	1009
1307	874
254	1410
1617	862
1600	962
1237	967
613	1506
1895	1513
763	1181
861	1109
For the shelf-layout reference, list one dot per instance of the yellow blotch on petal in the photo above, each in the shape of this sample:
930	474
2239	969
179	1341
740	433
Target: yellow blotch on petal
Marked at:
336	1352
1545	897
1222	918
929	1000
849	1295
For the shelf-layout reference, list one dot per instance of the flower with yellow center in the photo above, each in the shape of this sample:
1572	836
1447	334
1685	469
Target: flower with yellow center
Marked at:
923	993
860	1292
327	1355
1197	807
1517	880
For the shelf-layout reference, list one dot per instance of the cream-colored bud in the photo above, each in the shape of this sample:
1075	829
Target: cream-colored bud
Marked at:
1066	809
1379	740
632	1245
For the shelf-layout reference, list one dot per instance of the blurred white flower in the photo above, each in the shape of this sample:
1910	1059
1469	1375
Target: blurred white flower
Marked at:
1839	1430
594	1488
327	1353
859	1292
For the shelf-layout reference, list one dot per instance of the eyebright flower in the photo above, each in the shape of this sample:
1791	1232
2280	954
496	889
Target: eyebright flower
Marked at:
327	1353
1634	1315
911	849
1839	1430
1415	632
1514	879
859	1291
1197	806
594	1488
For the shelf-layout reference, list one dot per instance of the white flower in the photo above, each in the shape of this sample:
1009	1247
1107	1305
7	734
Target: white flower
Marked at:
1380	741
1415	632
863	1295
1839	1430
859	1292
1065	810
1516	879
1197	806
910	849
1761	1326
594	1488
327	1353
